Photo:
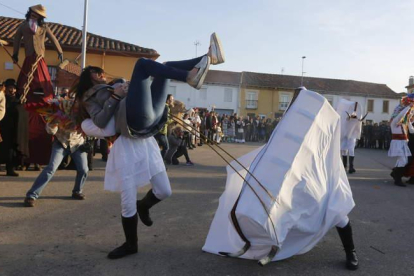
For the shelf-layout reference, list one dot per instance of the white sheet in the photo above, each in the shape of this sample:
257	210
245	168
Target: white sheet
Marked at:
302	168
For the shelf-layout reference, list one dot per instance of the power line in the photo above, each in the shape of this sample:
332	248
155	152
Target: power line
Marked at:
11	8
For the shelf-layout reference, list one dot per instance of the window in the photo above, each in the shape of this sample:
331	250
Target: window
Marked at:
284	100
203	94
370	107
173	91
385	106
251	99
228	95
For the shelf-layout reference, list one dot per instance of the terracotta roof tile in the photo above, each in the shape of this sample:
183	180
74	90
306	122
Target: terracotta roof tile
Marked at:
223	77
320	85
70	38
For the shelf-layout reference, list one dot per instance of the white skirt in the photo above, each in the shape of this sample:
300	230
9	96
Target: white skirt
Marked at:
132	163
399	148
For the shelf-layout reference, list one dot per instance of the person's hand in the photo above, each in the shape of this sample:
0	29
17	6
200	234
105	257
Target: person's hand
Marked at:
60	57
121	89
15	58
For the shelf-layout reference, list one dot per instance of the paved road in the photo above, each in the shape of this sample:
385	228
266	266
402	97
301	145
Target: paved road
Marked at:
61	236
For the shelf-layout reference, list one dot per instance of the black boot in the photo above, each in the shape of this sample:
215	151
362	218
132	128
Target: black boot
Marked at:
345	160
10	170
397	173
144	205
346	237
131	244
351	164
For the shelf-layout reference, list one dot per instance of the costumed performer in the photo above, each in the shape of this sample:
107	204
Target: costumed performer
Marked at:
296	191
351	127
140	113
34	31
401	125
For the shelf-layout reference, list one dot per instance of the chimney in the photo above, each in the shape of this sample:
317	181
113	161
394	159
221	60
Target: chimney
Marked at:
411	80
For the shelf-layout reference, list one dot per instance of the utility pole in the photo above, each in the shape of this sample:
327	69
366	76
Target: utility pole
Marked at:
196	44
84	30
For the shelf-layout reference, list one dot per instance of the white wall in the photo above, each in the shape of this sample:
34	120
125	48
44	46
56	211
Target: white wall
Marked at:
376	116
208	96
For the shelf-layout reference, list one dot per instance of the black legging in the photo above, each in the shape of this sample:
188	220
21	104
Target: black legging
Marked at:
145	107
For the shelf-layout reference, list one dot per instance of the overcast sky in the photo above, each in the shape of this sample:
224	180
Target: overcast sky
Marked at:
366	40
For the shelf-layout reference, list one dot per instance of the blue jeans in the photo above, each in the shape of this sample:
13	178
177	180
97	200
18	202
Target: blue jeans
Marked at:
145	107
58	153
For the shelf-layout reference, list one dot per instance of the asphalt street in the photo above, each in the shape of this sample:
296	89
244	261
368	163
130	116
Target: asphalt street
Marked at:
61	236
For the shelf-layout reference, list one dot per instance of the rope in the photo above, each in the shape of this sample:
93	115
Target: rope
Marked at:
26	86
231	156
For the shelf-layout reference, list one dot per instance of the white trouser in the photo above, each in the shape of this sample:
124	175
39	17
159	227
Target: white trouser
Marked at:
350	149
160	187
343	222
401	161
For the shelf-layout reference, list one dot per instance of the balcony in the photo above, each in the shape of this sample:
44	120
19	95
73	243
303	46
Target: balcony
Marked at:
251	104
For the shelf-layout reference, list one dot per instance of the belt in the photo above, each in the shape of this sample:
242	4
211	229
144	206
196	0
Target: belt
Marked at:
399	137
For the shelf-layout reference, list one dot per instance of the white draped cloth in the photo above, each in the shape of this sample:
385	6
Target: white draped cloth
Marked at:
350	127
301	168
131	162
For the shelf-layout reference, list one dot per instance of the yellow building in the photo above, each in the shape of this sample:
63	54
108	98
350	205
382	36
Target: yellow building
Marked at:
117	58
261	95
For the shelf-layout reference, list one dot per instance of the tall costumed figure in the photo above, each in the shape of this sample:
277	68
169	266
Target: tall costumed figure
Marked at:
34	83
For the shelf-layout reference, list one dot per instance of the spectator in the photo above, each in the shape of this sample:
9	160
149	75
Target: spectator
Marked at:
161	136
9	128
196	123
231	129
187	131
177	148
224	127
240	130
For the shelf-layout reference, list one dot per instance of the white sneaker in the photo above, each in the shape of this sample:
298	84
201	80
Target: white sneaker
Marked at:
215	52
197	80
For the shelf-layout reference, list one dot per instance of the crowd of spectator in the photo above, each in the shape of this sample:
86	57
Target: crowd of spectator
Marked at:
198	127
375	136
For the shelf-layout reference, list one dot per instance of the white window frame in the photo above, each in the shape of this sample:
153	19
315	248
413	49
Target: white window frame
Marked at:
253	96
284	100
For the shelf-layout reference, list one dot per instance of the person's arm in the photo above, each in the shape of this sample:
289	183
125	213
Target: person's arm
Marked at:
2	105
398	118
174	141
101	115
92	130
51	128
55	42
16	44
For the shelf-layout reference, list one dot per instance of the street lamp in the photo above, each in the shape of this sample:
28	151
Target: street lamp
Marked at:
196	44
303	61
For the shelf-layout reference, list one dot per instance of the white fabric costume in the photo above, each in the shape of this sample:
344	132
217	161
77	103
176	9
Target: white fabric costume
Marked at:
399	147
350	127
132	163
301	168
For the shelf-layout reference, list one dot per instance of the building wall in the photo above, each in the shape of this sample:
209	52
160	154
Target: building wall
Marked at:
114	66
268	102
209	96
